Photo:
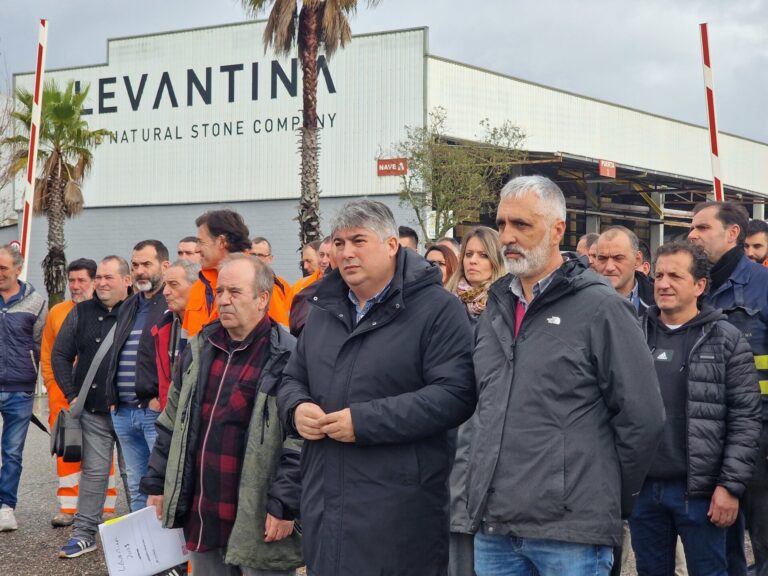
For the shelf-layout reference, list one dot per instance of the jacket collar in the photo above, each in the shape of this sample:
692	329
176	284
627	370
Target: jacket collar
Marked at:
740	276
25	289
412	273
280	341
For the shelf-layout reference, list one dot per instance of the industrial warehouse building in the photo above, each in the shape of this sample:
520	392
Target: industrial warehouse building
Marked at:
205	118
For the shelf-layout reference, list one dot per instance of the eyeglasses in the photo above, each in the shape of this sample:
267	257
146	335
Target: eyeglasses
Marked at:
260	255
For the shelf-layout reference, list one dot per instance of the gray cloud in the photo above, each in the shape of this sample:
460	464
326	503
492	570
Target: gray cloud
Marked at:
645	55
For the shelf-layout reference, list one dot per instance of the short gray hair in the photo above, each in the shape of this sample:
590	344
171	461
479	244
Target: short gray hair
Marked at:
613	231
590	239
191	269
368	214
263	277
548	193
14	252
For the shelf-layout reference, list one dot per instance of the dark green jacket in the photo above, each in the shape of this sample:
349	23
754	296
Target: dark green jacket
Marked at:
270	476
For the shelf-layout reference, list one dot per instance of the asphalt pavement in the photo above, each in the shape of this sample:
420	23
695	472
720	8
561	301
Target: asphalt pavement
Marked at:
32	549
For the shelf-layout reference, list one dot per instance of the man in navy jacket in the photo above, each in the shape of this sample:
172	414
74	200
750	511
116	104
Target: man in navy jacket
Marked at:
21	330
740	289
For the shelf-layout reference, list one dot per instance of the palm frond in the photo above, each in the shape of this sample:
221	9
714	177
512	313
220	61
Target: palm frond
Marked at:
80	168
280	31
335	26
350	6
73	199
17	164
39	202
16	141
254	7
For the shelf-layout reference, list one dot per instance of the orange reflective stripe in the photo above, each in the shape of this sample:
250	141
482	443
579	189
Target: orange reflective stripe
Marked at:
68	489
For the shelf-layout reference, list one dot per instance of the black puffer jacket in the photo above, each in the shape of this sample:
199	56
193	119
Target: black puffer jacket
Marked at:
723	408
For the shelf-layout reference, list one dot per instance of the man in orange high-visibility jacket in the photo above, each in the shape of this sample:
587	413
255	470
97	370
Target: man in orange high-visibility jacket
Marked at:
80	275
310	263
282	293
219	233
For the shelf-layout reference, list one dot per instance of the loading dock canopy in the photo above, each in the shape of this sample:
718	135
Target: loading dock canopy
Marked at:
628	192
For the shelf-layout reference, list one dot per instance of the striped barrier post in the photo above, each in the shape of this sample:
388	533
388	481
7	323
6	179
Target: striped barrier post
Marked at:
34	138
709	85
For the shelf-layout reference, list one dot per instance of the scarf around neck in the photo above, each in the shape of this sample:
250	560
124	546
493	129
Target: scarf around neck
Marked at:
724	267
473	298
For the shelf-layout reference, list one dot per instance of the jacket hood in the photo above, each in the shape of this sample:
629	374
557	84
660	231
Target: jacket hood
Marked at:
25	290
412	273
707	315
574	275
279	338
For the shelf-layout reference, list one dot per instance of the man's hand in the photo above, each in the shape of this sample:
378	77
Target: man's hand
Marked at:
154	405
306	419
723	508
277	529
338	425
156	501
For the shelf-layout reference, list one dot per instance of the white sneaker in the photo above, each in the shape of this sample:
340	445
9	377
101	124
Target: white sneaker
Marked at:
7	520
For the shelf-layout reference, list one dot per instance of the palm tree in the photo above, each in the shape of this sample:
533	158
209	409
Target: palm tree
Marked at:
65	155
320	22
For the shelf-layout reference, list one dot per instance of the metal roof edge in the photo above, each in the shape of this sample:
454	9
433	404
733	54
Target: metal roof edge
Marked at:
593	99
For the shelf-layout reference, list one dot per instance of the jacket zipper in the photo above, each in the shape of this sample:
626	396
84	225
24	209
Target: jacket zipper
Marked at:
532	309
687	428
205	441
341	458
179	469
265	419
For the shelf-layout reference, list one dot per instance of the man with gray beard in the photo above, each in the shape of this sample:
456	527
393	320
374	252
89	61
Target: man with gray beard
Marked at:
133	384
569	412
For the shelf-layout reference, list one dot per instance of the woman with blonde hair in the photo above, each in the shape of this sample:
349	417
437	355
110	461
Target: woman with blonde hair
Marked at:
481	263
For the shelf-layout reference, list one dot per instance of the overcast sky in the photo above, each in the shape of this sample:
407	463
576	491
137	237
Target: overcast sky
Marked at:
644	54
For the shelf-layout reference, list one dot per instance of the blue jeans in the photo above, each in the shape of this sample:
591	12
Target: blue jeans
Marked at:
136	432
661	513
512	556
16	410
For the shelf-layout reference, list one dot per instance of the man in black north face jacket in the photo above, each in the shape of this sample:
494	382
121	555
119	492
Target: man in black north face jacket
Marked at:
381	372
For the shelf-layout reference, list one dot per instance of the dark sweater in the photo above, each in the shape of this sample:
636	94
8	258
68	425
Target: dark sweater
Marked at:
670	351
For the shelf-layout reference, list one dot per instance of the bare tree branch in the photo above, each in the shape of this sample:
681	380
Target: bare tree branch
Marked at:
7	204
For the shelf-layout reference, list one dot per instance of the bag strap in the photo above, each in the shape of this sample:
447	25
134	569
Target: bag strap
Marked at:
91	374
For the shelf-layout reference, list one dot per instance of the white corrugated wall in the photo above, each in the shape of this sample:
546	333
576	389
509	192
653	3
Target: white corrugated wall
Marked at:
557	121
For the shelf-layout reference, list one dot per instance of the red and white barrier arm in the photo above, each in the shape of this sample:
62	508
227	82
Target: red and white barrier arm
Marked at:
709	85
34	138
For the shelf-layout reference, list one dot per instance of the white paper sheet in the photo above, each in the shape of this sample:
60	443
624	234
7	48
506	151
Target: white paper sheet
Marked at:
138	545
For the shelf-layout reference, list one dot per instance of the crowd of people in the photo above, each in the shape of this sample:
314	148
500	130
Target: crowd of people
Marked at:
496	407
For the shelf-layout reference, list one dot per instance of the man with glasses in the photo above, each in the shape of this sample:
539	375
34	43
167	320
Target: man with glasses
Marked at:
189	250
